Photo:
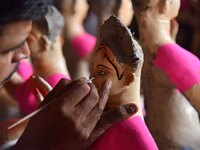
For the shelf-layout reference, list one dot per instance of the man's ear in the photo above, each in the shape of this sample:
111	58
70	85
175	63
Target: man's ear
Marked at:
129	77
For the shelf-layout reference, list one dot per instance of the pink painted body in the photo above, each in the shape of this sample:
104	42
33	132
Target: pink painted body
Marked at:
23	93
83	44
131	134
181	66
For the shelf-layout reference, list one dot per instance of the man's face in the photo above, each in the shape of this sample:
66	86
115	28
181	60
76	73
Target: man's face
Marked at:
104	66
13	47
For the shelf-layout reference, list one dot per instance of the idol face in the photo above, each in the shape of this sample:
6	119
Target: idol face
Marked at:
175	7
13	47
105	66
167	9
77	9
81	8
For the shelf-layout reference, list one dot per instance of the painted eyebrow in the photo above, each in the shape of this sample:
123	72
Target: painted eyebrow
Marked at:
105	56
119	76
16	47
100	65
102	47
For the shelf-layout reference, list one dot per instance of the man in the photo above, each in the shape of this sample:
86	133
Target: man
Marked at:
70	121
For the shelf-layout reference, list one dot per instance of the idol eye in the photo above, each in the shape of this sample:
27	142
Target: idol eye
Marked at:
101	73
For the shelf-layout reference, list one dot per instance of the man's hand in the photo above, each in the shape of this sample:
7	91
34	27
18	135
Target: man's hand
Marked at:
69	121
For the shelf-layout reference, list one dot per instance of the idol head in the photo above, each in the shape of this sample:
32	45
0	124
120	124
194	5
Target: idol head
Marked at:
105	8
118	57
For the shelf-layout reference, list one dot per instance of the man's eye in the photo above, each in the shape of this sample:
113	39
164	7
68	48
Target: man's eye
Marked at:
5	52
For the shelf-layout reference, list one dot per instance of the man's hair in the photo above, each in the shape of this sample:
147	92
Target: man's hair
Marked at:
116	36
20	10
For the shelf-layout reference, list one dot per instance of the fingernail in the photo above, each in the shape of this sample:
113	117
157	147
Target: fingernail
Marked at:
132	108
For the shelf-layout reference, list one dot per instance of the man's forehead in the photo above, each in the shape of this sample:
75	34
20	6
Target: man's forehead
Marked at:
13	25
14	34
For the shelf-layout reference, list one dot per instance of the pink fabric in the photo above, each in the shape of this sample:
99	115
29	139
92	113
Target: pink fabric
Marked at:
131	134
25	97
23	93
25	69
83	44
181	66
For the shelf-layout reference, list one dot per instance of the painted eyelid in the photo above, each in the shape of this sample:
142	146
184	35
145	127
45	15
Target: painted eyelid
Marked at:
103	74
102	69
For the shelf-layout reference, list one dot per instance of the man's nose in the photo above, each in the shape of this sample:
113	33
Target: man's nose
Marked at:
21	53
